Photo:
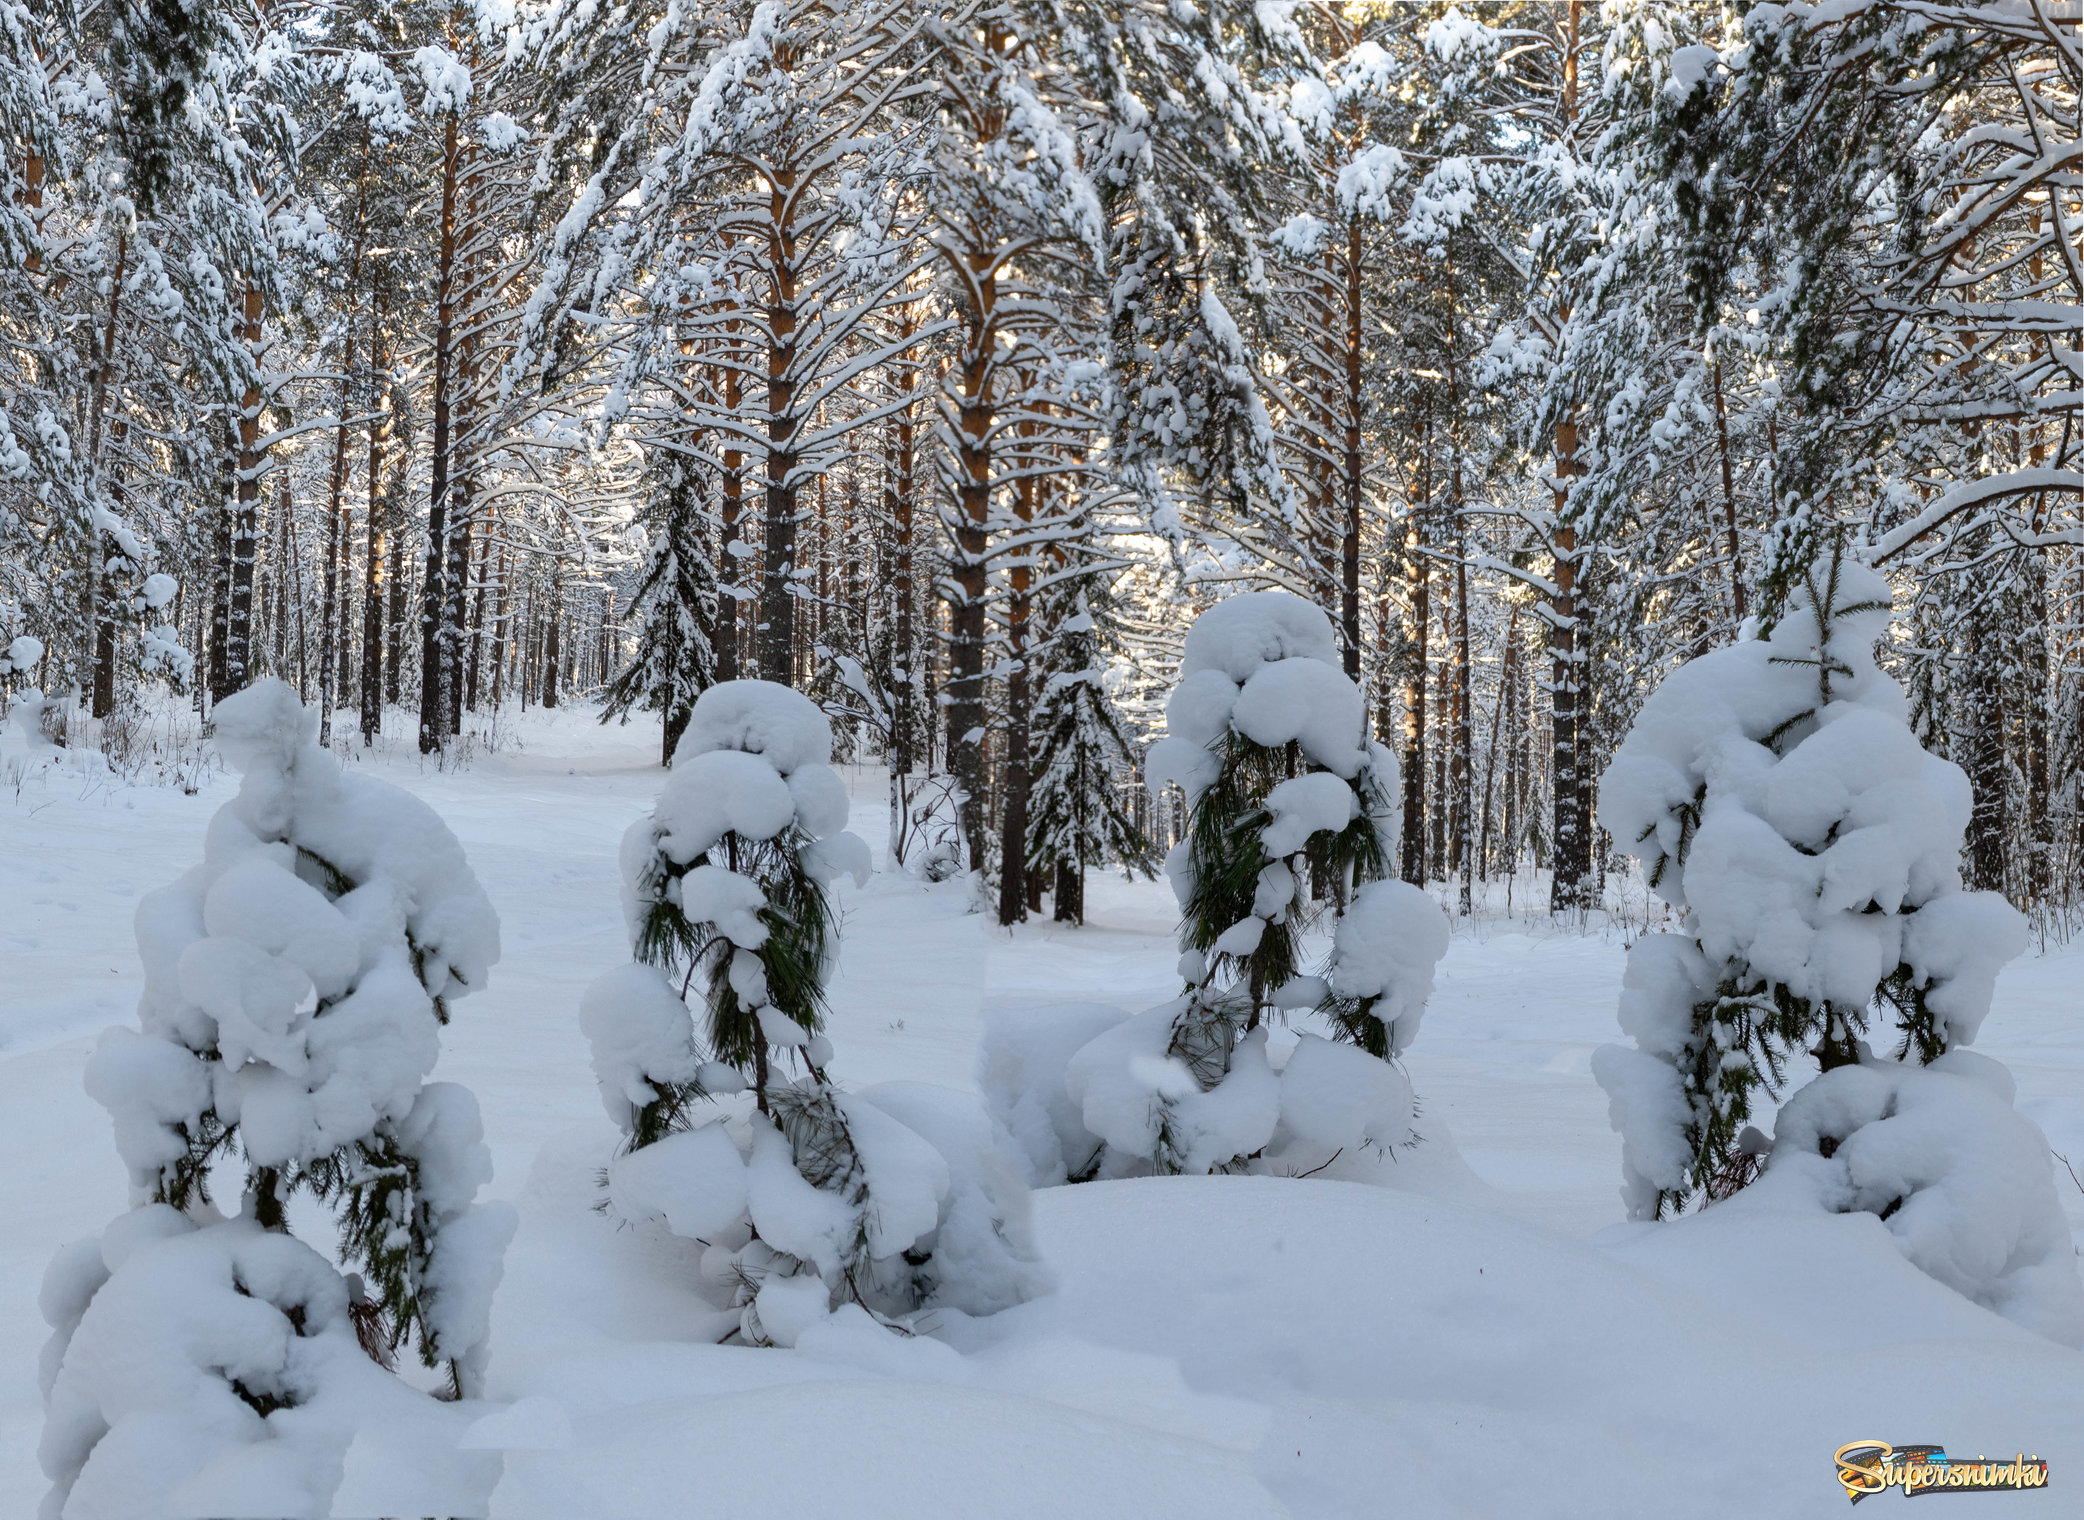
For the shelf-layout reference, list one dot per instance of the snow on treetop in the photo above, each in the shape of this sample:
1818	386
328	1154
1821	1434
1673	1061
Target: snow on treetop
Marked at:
1265	664
1241	633
761	718
1862	611
384	840
1806	816
264	726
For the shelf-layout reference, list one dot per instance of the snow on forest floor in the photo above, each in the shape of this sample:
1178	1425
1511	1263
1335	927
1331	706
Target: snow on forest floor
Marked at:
1480	1336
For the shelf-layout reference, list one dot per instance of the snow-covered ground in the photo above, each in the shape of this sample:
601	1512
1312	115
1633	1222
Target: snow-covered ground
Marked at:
1479	1336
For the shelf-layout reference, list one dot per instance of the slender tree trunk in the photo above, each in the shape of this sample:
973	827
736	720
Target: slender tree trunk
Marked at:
1729	499
1013	816
285	591
966	715
551	657
221	572
1440	820
733	495
1415	657
1567	887
1571	844
1463	725
238	628
477	615
1989	819
455	597
499	632
400	594
335	533
434	694
777	627
100	620
344	647
376	551
1354	481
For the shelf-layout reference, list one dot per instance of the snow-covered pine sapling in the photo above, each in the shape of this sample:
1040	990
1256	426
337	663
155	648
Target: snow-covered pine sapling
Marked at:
1076	818
674	660
808	1198
1286	797
1292	811
1780	803
296	982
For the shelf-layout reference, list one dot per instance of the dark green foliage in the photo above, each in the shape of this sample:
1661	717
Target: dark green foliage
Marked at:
1076	818
158	51
1226	854
799	920
386	1230
674	661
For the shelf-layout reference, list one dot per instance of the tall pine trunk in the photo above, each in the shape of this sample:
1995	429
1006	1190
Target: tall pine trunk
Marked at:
1567	846
733	493
1013	814
1416	645
376	550
244	545
336	484
434	692
1463	718
1354	477
777	626
966	715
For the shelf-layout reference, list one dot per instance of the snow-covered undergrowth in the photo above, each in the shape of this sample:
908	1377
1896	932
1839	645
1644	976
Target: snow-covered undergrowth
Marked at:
1224	1346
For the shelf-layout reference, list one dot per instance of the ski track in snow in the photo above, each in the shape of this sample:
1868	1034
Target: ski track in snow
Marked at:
1473	1339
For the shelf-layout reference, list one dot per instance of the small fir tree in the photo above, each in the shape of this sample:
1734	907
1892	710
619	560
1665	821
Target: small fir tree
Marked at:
1076	814
1291	811
674	661
296	982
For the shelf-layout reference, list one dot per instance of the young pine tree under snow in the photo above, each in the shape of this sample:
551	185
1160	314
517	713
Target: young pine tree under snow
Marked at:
809	1199
1781	804
1076	818
674	659
1288	801
296	983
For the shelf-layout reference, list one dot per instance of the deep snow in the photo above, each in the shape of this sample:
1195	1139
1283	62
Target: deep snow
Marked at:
1482	1337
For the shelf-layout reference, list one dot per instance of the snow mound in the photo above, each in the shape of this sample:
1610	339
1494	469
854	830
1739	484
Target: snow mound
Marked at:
215	1371
1022	1058
1963	1183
